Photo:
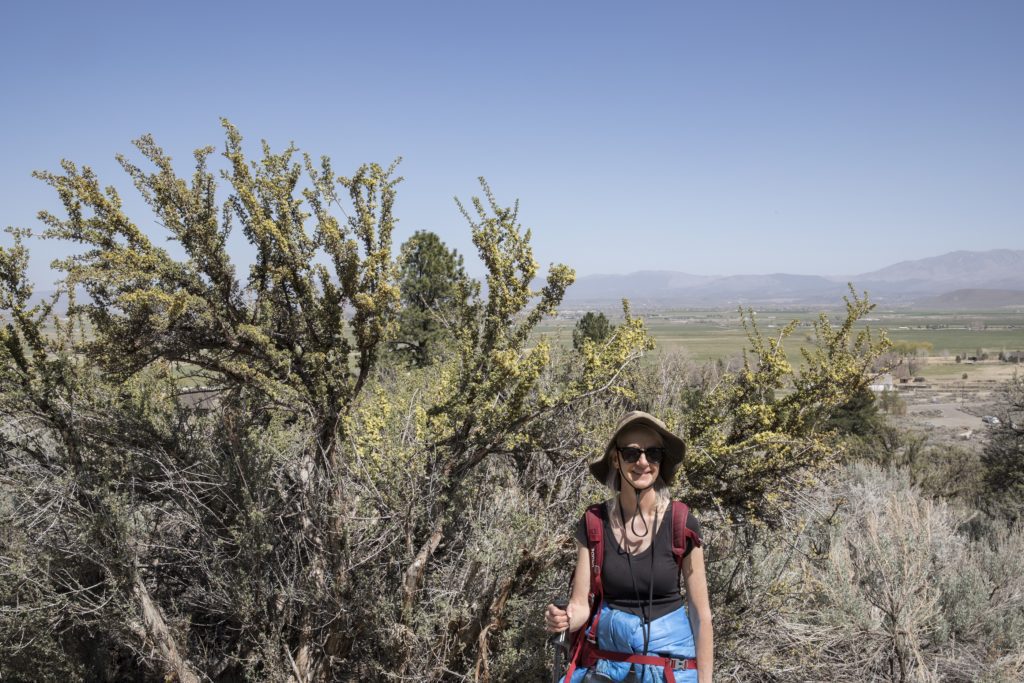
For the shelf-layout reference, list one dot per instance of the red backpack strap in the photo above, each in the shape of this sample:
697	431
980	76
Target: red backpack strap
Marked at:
594	517
585	640
595	544
680	532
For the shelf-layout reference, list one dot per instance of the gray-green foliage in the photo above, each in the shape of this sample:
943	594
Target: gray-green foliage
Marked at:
882	583
939	470
327	513
297	523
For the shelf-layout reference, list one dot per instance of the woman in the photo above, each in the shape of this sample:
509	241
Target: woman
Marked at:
642	610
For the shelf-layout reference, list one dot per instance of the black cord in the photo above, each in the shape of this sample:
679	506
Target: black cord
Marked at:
632	578
645	613
650	589
632	522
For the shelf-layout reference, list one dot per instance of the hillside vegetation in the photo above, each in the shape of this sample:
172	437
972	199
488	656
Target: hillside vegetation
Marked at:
351	501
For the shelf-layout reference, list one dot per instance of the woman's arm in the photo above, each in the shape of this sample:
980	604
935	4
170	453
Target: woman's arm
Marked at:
700	612
579	606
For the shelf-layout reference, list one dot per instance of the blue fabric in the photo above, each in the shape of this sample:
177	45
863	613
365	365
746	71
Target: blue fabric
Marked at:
623	632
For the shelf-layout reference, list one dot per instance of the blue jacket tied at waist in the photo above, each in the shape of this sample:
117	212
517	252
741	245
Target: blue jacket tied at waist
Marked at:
620	631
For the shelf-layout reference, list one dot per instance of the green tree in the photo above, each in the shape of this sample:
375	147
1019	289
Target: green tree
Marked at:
592	326
858	416
1003	456
436	296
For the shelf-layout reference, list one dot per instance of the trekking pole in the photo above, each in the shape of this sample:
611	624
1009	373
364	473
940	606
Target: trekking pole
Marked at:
560	642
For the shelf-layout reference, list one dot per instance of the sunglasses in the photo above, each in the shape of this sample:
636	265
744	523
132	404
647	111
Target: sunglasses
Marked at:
655	454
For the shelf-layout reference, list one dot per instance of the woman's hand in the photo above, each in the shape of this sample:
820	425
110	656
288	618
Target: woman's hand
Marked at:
577	612
557	620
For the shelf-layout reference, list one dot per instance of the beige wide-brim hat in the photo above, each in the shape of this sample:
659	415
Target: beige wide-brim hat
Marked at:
675	448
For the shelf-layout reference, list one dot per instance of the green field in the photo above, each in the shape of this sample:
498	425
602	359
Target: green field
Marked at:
708	335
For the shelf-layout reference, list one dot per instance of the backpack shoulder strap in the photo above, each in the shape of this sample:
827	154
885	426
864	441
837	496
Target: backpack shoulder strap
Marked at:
594	517
586	638
680	534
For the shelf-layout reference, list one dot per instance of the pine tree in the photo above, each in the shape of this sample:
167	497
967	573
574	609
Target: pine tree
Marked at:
436	296
592	326
1003	457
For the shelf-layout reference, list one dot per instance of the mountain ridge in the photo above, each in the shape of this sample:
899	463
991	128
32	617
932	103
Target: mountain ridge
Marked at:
902	283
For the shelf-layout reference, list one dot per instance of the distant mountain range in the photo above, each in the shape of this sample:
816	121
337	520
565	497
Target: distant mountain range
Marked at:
963	280
959	279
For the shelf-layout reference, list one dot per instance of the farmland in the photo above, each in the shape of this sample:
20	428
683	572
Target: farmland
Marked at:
713	334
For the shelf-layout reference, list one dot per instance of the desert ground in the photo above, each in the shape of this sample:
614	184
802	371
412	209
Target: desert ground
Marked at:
948	407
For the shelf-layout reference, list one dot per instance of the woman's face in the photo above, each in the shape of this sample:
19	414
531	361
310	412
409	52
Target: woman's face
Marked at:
640	474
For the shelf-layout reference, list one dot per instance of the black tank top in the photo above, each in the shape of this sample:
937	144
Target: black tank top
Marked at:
615	573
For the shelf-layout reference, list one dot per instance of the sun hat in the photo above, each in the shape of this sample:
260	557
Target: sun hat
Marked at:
675	448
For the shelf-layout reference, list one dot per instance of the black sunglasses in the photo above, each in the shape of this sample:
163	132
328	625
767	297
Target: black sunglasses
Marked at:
630	454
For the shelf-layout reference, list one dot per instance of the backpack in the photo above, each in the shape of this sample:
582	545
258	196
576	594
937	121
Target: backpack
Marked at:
585	652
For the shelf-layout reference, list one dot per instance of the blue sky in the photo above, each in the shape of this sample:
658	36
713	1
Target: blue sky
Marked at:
713	138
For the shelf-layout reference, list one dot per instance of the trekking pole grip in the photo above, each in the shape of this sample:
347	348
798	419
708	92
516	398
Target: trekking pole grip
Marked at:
562	605
561	645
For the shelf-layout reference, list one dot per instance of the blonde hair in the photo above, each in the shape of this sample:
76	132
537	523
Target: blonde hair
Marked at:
661	492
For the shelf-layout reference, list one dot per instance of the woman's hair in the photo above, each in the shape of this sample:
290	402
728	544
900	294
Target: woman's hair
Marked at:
661	492
614	482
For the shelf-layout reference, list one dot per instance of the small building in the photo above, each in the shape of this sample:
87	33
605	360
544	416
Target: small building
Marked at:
883	383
